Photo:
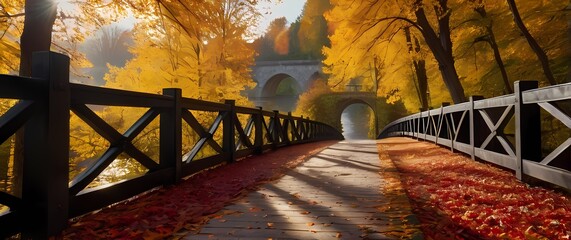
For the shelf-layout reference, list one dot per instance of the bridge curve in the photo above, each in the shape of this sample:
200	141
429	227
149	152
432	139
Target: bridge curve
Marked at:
345	99
303	71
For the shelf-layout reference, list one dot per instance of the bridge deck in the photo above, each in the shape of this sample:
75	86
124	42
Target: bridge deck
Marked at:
335	194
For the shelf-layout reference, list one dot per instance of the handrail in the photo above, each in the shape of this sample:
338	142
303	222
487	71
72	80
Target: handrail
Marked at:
50	198
480	129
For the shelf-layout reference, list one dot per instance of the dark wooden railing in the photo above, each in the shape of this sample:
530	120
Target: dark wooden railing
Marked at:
505	130
49	198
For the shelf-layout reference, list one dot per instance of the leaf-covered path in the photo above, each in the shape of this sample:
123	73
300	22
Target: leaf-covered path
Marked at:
174	211
455	197
335	194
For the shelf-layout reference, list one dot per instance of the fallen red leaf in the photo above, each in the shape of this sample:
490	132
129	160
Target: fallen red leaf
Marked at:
454	196
187	205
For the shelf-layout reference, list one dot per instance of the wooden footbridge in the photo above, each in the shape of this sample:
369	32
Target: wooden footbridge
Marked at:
344	178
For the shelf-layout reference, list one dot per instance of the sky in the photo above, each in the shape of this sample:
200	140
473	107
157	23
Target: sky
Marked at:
290	9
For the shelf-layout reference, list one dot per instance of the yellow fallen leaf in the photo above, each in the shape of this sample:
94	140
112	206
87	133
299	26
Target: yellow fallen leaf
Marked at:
310	224
338	235
270	225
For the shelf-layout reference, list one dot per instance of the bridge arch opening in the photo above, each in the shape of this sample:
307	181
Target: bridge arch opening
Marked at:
281	85
281	92
358	120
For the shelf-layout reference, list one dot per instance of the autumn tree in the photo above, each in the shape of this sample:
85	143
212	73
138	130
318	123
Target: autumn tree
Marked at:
366	30
478	63
302	40
11	22
38	25
490	37
380	21
419	67
268	44
208	38
440	44
313	29
36	36
37	33
541	56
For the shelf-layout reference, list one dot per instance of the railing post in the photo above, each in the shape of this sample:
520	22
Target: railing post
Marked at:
474	123
229	138
421	124
311	130
45	191
418	123
527	127
413	126
426	125
276	130
301	127
288	128
171	135
259	137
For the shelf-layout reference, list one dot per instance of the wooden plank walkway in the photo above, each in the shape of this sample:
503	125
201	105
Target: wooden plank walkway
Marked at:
334	195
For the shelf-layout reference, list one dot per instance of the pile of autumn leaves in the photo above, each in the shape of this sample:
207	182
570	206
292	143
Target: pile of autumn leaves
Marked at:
457	198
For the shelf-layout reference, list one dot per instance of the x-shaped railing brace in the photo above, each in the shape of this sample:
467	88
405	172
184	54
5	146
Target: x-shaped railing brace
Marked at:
119	143
205	136
566	120
497	129
453	135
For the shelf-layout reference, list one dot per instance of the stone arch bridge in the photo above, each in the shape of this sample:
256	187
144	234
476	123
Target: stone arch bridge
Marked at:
300	74
269	75
345	99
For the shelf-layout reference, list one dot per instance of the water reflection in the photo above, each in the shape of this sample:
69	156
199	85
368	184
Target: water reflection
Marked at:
355	120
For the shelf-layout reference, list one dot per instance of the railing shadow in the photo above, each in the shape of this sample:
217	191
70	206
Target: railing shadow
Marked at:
50	197
505	130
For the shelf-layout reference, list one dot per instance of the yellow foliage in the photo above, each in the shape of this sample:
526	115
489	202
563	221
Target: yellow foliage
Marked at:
306	106
369	31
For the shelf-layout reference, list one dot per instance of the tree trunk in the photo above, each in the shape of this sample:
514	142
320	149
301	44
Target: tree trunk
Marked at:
498	58
39	19
441	48
419	69
422	78
37	34
541	56
491	39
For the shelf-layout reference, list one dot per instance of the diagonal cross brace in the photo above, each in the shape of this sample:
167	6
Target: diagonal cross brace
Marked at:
244	135
205	136
566	120
119	143
497	129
